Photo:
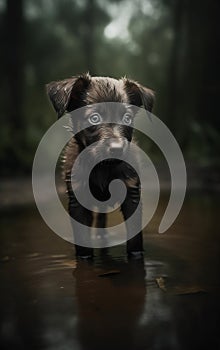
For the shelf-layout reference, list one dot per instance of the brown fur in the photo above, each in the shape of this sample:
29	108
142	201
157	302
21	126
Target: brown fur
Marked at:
69	95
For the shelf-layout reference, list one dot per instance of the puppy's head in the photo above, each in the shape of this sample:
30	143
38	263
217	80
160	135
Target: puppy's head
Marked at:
109	124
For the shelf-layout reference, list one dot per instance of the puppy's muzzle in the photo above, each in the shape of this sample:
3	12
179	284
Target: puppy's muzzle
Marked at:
117	147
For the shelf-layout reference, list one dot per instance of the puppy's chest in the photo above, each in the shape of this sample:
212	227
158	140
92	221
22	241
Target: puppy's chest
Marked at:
102	175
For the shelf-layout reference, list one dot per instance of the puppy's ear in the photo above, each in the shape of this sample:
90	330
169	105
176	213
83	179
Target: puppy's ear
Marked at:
139	95
67	95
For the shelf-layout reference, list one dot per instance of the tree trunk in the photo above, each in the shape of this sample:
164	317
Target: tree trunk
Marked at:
174	66
88	40
14	61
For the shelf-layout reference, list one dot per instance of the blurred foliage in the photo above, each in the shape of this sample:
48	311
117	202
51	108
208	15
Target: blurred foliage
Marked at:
168	45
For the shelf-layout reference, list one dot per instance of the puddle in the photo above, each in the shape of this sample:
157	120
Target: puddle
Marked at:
168	300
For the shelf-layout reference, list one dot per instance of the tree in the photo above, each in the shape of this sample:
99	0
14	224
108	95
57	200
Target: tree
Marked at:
12	83
14	61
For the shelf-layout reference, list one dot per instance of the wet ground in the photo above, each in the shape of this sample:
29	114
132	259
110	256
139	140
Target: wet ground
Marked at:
170	300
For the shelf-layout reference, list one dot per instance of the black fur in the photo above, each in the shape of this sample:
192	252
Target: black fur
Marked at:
69	95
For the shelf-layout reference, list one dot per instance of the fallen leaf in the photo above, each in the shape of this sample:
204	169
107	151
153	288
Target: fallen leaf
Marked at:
5	259
184	290
32	255
161	283
109	273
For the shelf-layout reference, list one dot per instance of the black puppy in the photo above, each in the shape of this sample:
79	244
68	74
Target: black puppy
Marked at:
111	138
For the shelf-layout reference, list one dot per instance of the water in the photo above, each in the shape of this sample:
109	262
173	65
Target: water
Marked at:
170	300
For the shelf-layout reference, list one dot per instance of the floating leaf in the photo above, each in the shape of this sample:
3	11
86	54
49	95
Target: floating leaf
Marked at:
161	283
109	273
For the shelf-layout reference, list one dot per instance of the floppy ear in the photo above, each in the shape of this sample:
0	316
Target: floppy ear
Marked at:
67	95
139	95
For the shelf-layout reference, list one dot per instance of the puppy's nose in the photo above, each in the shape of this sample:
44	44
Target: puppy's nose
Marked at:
116	148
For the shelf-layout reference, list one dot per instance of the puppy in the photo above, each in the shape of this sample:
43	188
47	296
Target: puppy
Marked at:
111	136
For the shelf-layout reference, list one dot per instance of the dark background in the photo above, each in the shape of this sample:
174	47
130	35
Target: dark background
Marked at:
171	298
169	45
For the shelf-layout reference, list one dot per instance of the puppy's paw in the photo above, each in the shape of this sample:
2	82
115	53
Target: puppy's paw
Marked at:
84	252
136	255
85	257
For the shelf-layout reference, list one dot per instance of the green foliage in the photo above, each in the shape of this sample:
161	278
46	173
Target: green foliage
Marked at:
155	43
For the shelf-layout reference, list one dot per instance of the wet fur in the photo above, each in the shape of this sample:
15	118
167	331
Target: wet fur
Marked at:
71	94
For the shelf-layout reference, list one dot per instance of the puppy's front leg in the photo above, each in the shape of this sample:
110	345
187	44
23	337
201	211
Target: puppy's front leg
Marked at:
128	207
83	216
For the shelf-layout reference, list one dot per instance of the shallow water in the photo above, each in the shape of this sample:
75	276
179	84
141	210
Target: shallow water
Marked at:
170	300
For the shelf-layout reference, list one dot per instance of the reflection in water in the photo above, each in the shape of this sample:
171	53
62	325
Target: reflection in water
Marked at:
50	301
109	307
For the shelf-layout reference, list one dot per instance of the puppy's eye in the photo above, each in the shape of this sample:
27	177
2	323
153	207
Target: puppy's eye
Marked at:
95	119
127	119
